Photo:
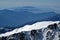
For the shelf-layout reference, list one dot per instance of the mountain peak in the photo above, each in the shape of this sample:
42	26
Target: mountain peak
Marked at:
28	7
5	10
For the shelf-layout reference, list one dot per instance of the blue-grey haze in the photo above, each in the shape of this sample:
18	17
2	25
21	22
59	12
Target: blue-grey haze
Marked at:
54	4
14	3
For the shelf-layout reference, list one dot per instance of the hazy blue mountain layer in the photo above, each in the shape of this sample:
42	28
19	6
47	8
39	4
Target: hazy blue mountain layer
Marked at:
27	14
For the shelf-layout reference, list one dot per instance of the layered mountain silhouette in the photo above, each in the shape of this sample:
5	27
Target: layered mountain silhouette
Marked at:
13	21
23	15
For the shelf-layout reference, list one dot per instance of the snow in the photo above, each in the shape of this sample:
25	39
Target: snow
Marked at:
35	26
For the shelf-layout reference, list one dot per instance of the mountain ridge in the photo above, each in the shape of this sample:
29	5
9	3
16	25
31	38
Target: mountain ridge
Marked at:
34	26
20	16
46	30
12	18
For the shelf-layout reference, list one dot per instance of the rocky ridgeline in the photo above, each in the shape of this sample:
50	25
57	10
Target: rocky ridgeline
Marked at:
52	32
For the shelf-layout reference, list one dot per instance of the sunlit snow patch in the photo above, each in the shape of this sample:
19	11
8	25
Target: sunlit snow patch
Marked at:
35	26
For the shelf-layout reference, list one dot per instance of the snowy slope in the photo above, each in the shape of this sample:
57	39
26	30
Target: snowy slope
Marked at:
35	26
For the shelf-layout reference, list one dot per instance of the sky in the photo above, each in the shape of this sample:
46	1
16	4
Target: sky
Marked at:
38	3
55	4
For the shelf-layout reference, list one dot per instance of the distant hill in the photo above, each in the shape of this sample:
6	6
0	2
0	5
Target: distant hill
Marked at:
23	15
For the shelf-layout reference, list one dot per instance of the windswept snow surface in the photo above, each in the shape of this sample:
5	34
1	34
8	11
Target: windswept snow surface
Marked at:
35	26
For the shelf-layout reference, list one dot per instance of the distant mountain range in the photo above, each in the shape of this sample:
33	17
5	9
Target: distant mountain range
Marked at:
22	15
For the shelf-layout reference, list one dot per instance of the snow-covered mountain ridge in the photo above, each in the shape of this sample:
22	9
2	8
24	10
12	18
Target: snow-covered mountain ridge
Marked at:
36	31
